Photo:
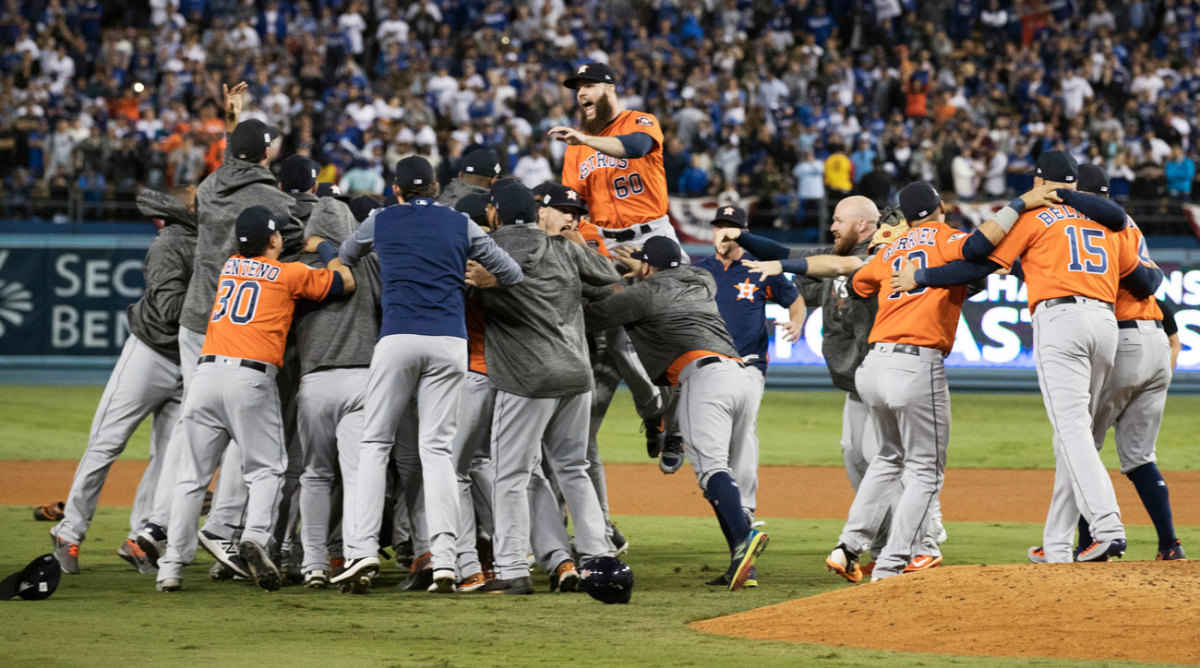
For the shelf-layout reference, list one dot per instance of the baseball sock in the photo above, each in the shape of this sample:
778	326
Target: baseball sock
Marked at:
1085	534
1153	491
726	500
724	526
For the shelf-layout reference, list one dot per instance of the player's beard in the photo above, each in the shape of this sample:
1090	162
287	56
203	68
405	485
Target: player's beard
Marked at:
604	115
844	245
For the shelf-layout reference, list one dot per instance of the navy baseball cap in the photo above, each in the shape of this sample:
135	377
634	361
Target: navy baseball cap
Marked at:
591	73
1058	167
514	203
35	582
298	173
331	190
482	162
918	200
250	139
475	206
255	224
734	215
363	205
659	252
413	171
1093	179
559	196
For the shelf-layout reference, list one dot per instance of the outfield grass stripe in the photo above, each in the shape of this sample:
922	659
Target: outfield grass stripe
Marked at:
970	495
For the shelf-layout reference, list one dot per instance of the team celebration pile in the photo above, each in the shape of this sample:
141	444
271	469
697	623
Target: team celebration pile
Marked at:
415	365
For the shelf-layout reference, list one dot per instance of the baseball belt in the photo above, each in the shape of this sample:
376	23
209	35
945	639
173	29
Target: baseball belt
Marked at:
1059	301
249	364
1133	324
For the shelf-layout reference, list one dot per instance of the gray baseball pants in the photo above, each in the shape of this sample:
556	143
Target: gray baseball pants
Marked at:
330	423
227	401
142	383
909	401
1135	395
560	426
1075	346
717	409
431	369
471	441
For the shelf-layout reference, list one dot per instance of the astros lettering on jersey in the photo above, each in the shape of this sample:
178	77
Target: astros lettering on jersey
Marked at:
256	298
620	191
926	317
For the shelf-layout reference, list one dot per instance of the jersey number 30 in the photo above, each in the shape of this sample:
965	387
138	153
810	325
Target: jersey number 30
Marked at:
1086	256
625	186
237	300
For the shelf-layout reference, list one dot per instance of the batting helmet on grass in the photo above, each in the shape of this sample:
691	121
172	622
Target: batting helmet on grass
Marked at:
607	579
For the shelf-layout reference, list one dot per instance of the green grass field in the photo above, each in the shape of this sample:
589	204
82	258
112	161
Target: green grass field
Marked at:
795	429
110	615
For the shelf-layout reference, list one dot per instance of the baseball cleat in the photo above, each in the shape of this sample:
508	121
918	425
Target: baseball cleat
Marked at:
404	555
725	578
224	551
265	572
845	563
443	581
653	426
1172	553
420	574
153	541
129	551
219	572
316	579
671	459
66	553
170	584
620	543
921	562
471	583
565	578
513	587
1102	550
867	568
51	512
1037	555
744	557
357	569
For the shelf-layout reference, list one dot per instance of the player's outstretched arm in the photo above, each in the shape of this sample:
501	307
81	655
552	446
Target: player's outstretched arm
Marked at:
348	284
493	258
760	247
632	145
1100	209
816	266
984	240
329	254
959	272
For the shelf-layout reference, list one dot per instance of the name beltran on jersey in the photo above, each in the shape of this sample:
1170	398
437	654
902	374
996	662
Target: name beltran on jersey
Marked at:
251	268
600	161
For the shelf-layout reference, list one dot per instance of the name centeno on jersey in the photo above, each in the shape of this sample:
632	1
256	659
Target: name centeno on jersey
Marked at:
600	161
252	268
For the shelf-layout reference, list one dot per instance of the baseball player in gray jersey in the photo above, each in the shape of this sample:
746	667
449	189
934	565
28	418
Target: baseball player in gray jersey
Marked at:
146	381
1132	400
679	335
537	361
333	388
423	250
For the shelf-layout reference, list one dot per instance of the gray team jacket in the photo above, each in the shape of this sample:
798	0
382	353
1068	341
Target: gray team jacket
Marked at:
154	319
534	340
456	190
338	333
235	186
847	320
670	314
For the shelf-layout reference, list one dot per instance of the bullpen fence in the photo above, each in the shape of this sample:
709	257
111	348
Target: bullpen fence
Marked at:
63	302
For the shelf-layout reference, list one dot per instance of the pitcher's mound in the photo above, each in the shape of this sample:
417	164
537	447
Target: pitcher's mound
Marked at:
1138	611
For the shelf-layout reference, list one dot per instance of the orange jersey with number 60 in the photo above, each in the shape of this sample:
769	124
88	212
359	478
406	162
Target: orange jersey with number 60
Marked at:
926	317
256	298
1065	254
620	191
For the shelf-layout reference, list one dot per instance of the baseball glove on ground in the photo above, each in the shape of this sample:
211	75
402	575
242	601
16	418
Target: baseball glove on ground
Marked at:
892	226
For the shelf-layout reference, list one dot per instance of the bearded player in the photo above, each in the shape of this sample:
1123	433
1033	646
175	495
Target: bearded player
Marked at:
616	163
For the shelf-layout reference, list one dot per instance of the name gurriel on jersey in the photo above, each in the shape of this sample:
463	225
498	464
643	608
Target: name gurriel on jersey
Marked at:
251	268
920	236
600	161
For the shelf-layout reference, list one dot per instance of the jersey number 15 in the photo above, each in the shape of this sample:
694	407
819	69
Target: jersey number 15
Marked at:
237	300
1094	257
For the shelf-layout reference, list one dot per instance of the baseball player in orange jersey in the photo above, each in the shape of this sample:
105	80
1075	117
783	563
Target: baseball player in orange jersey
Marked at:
616	165
1133	399
1073	262
233	394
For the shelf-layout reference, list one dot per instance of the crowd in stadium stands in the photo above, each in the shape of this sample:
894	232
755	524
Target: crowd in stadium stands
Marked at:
793	102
